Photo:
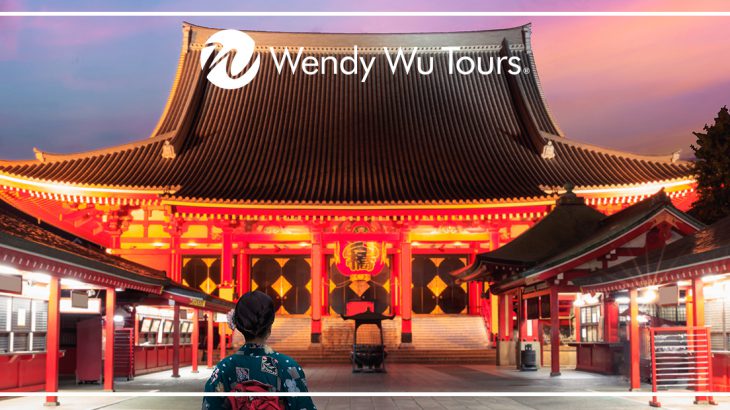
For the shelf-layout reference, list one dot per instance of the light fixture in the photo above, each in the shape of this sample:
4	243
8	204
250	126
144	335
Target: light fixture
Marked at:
118	319
192	244
711	278
72	283
303	244
647	297
38	277
109	251
623	300
158	244
8	270
715	291
119	289
591	299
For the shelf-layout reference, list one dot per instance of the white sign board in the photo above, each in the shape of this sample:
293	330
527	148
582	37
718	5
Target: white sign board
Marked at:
11	284
668	295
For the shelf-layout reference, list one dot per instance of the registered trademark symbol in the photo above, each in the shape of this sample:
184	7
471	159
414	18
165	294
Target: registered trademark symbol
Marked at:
526	70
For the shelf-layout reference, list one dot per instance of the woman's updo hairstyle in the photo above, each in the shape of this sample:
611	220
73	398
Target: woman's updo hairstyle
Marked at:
254	315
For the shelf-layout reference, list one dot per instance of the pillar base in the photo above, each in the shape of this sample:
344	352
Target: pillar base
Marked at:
51	404
406	337
705	400
194	372
316	337
175	376
506	353
554	374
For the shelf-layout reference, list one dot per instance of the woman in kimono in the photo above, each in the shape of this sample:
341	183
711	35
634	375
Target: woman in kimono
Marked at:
255	367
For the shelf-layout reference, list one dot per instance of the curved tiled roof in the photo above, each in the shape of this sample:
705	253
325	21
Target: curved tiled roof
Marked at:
332	139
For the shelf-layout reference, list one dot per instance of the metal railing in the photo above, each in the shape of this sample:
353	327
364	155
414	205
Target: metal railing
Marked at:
681	357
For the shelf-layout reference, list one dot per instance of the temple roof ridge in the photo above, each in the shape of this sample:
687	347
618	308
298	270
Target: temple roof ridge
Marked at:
335	40
46	156
663	157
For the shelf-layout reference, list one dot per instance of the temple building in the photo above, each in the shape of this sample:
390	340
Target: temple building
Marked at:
535	278
323	189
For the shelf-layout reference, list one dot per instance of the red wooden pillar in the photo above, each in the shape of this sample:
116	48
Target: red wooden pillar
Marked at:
576	313
475	287
195	340
493	299
610	319
209	341
317	259
521	328
111	303
698	302
243	276
504	329
406	276
224	342
175	262
176	341
486	311
698	320
500	317
554	332
395	285
135	323
52	340
227	285
634	373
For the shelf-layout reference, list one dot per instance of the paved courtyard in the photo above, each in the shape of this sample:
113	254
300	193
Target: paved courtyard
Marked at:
400	378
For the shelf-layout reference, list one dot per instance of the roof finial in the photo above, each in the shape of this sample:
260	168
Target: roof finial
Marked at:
168	150
675	155
569	197
548	150
39	155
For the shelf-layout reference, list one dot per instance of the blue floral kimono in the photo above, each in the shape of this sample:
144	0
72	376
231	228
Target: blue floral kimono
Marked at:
261	366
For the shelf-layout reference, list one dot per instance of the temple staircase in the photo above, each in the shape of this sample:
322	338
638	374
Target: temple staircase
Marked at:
436	339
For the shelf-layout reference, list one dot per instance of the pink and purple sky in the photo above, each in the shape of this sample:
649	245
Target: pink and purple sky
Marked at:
641	84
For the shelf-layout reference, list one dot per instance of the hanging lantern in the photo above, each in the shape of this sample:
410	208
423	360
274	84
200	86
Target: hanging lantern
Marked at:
359	257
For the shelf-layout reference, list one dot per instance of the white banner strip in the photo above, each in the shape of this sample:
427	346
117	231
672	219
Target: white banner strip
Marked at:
368	394
365	14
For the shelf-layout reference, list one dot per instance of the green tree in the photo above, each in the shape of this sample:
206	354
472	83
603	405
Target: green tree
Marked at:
712	168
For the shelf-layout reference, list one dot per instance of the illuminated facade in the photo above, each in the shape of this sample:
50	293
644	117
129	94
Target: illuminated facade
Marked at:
320	190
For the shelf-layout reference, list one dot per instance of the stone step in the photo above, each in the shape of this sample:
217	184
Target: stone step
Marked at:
435	334
401	356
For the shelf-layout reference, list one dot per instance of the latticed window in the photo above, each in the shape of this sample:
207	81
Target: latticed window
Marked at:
286	279
23	324
590	324
717	317
434	289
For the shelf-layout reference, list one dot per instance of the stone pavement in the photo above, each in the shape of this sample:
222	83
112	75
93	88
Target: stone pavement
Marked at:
400	378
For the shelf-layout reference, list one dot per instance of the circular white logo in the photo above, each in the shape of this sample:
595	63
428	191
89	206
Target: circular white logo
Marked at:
232	43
